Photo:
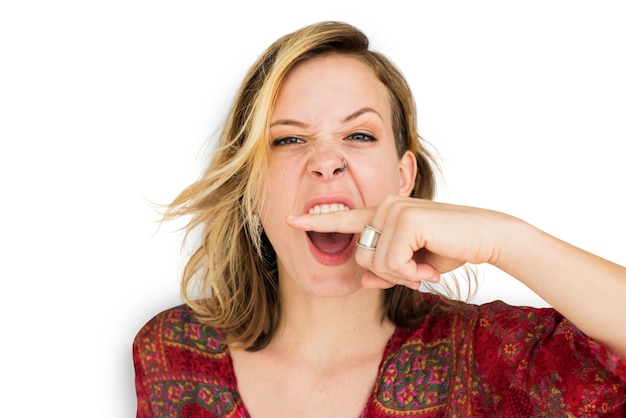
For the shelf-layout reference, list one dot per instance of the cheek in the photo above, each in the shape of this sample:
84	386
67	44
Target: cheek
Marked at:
276	196
277	205
271	221
379	179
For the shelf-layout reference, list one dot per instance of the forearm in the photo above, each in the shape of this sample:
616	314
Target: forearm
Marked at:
590	291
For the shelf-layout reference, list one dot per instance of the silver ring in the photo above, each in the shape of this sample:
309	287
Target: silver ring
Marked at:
369	238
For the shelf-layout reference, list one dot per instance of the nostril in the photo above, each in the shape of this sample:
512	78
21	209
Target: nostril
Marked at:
341	169
328	168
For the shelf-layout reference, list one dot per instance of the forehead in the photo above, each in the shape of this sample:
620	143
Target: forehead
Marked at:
332	84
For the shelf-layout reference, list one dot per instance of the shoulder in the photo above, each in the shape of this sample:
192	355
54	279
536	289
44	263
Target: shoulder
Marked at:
176	337
181	327
494	356
457	335
539	356
444	320
182	366
438	319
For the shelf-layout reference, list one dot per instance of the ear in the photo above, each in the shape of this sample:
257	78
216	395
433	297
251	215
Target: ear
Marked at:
408	172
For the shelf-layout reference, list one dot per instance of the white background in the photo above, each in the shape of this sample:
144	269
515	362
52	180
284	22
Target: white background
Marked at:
107	106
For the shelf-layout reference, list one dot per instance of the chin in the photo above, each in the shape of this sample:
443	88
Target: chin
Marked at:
333	284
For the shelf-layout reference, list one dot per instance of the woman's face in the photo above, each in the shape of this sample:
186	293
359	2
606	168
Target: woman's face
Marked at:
329	109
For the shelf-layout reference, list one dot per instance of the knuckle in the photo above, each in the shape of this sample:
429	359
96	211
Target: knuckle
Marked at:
392	263
388	200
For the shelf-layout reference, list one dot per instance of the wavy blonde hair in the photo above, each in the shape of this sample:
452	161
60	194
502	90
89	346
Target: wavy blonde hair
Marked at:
231	280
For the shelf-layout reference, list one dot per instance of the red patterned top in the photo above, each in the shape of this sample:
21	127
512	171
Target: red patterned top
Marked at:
490	360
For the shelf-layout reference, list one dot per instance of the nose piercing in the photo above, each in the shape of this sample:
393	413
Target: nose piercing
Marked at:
343	168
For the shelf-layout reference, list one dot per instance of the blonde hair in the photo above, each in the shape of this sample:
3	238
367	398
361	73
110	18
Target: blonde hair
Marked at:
233	270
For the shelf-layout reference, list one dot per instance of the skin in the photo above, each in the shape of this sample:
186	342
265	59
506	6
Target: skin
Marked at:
419	235
329	109
342	113
326	366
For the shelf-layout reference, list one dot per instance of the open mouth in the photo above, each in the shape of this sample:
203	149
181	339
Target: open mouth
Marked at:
329	242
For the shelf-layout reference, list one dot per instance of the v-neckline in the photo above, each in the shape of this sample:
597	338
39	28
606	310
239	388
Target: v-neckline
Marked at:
386	352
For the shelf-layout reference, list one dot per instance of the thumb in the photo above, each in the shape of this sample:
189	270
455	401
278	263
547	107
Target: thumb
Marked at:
372	281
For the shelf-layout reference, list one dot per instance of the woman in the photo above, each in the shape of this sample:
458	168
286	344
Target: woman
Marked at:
318	229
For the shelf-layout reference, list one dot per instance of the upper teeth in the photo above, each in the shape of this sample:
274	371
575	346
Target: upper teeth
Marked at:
327	208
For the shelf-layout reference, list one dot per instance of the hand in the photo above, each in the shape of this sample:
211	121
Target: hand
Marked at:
419	239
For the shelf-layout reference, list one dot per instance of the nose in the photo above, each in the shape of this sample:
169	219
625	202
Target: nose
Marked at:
327	164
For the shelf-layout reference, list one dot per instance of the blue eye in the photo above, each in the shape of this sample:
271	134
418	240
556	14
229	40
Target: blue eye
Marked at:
360	137
287	140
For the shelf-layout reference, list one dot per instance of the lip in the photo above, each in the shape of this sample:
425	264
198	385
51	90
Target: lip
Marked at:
334	259
327	200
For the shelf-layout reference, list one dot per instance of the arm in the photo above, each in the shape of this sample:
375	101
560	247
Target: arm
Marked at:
421	239
590	291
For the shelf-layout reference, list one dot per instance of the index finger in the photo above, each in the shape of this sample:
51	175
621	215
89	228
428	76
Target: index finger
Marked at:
344	221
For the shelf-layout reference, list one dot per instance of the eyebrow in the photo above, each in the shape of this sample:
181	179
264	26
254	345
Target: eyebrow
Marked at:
352	116
359	113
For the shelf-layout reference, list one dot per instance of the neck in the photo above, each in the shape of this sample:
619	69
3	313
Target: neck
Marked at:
327	328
